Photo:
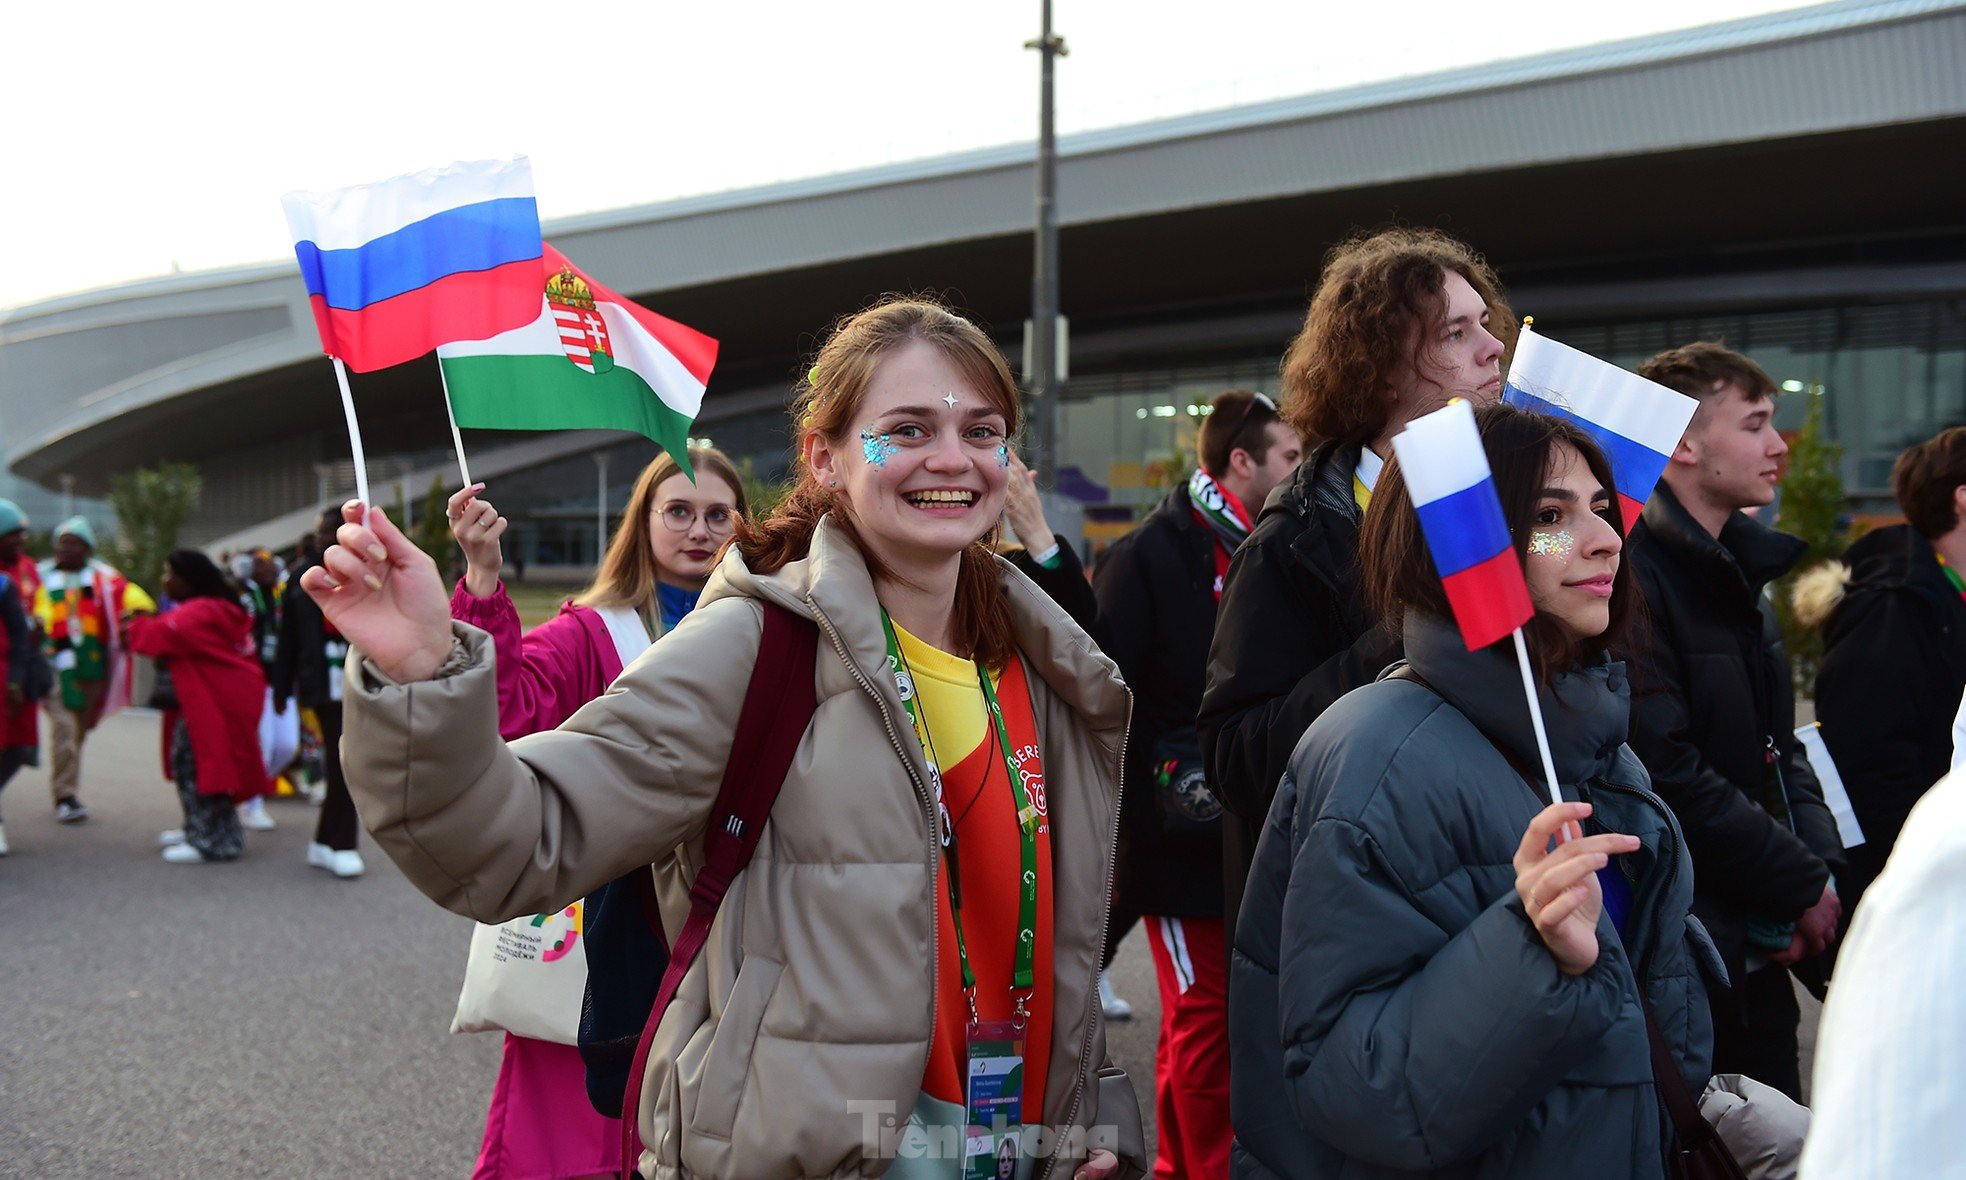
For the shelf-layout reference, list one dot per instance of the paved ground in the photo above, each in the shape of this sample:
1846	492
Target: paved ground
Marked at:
255	1019
247	1020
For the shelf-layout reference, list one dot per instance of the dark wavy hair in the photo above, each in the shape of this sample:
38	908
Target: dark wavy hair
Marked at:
1398	569
1379	293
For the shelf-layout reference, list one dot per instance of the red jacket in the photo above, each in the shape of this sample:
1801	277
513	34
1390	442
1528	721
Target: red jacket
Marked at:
220	688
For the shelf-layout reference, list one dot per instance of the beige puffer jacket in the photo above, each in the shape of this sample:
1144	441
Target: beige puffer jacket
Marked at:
801	1035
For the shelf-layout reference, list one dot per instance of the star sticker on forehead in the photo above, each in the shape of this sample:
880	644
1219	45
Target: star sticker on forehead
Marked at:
950	397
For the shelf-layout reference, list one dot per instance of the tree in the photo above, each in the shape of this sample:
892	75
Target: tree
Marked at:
761	494
432	530
152	504
1812	509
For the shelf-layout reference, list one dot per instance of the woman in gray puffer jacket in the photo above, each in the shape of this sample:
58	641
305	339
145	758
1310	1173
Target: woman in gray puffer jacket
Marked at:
1425	982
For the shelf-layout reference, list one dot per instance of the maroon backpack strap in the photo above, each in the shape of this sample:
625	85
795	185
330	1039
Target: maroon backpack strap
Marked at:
778	706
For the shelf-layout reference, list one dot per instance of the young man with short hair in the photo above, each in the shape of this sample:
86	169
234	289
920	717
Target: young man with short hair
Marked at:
1158	587
1894	652
1713	707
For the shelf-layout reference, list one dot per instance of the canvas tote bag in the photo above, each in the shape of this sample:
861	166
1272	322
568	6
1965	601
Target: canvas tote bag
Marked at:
528	976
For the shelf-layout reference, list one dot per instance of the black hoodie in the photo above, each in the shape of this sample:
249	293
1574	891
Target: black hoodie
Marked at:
1894	666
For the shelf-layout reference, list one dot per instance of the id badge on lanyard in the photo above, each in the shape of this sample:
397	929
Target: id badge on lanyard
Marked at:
995	1088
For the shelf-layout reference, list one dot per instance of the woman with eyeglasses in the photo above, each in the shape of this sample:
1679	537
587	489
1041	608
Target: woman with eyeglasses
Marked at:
655	566
540	1123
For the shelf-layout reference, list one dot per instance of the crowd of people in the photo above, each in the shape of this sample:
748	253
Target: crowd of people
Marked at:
245	676
1381	948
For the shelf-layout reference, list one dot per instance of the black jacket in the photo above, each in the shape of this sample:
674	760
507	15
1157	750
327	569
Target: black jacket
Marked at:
1392	1011
300	663
1064	584
1291	637
1894	666
1156	592
1711	690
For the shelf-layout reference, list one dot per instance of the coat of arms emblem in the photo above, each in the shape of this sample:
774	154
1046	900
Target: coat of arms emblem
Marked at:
583	333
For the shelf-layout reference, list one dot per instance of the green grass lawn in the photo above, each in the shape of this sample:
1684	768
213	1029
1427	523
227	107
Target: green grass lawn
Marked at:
539	601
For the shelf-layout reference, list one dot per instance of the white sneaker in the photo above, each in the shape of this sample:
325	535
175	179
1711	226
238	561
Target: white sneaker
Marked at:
345	864
315	793
170	836
1114	1007
252	814
319	855
3	841
183	854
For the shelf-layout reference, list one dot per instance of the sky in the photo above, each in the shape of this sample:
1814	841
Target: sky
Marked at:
147	138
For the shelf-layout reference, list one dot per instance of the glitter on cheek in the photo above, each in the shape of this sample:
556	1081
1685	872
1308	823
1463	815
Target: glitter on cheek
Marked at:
877	448
1558	544
1003	454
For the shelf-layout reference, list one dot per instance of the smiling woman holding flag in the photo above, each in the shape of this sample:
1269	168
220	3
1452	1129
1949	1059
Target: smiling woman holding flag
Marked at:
1438	971
927	900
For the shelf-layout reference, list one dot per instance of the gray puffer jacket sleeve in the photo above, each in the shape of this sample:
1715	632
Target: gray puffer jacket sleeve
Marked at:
496	831
1416	1049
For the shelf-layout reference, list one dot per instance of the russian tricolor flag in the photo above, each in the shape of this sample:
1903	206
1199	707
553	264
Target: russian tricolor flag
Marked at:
394	269
1637	423
1447	474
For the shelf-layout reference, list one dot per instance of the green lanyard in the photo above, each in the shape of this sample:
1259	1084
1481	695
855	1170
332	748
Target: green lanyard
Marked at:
1023	975
1952	575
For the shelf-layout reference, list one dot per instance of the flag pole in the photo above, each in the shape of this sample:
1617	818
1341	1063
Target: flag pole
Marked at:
1536	716
456	439
354	438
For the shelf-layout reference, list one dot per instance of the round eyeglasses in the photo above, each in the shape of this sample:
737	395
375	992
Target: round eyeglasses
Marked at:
719	519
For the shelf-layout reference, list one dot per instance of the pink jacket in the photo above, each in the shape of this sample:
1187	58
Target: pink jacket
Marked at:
547	673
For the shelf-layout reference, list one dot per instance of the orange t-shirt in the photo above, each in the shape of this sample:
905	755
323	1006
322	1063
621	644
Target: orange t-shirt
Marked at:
982	805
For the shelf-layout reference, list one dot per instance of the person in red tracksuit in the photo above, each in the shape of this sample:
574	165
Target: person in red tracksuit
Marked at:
1158	588
206	640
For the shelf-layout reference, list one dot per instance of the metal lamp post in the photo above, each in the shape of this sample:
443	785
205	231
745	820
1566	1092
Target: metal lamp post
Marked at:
1041	380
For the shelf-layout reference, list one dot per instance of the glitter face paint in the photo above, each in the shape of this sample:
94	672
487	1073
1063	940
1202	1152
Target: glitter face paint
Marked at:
1003	454
1559	544
877	448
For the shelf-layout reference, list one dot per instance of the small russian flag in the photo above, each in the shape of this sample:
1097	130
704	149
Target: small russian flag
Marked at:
1447	474
395	268
1637	423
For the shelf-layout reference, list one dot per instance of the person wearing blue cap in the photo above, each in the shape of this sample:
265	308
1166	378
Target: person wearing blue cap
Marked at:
81	605
20	735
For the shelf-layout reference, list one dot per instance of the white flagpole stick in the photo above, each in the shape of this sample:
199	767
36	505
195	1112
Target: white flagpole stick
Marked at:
354	438
1536	716
456	438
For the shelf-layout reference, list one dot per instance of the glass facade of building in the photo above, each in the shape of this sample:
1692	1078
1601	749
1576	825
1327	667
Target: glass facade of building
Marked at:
1890	374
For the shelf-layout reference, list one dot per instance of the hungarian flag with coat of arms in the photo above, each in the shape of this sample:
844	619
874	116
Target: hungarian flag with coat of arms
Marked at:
591	360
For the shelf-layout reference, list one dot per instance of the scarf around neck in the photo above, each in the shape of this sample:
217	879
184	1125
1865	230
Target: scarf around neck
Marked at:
1218	509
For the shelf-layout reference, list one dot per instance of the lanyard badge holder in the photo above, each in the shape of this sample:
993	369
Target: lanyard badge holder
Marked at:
993	1077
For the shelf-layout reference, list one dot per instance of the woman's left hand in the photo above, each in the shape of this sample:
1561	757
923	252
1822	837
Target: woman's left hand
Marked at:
1558	885
1098	1166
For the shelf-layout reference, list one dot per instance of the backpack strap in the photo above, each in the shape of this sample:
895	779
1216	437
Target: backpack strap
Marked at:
1697	1151
778	706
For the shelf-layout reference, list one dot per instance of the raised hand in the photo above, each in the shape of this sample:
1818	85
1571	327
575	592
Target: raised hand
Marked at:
1559	887
384	595
1024	510
477	526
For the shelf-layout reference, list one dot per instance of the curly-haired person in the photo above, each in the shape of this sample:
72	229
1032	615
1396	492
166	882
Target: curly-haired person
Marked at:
1402	321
